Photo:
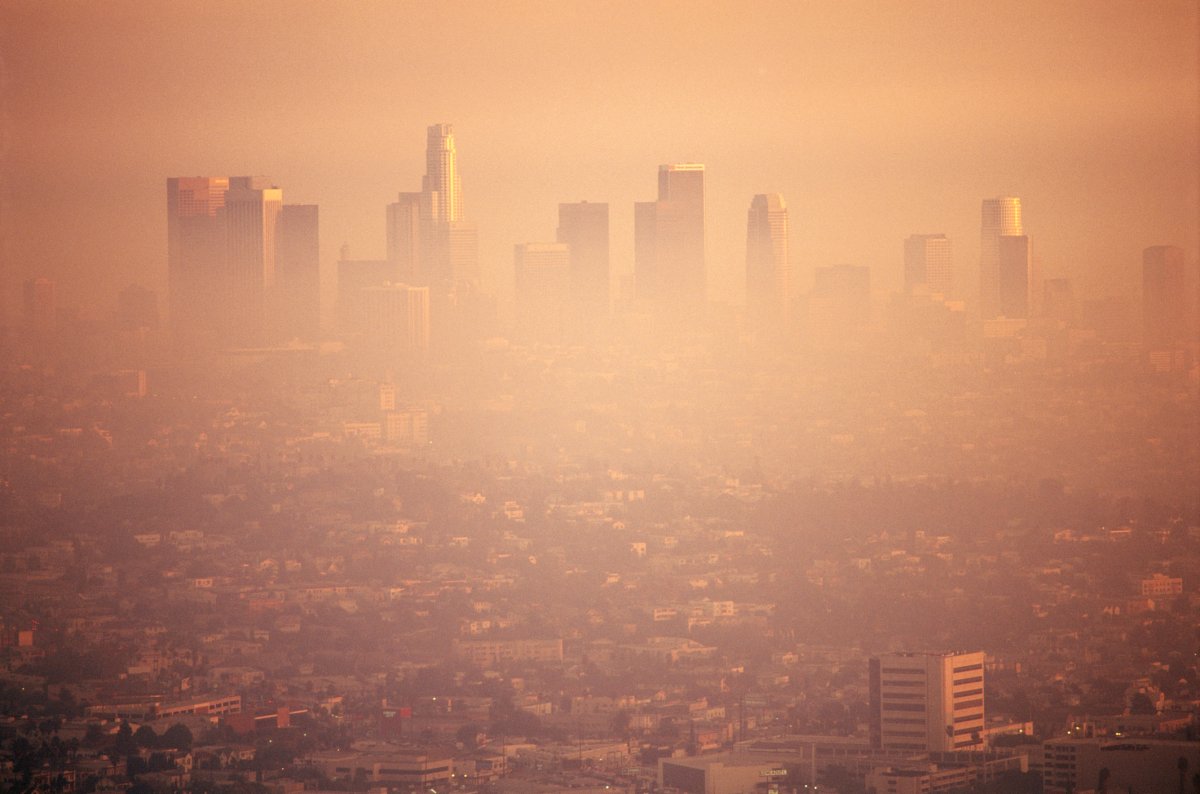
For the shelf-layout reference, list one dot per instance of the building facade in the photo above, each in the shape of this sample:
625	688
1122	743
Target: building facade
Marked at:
768	265
928	265
669	241
930	702
1000	217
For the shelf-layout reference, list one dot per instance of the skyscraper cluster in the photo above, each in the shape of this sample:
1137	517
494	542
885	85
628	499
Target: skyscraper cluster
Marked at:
244	270
242	267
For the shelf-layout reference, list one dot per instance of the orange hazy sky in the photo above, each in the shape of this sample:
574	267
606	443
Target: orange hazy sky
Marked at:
874	119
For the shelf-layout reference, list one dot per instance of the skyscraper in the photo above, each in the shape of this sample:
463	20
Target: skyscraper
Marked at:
584	228
768	269
195	256
222	258
1164	300
928	265
1000	217
1014	269
441	180
296	306
931	702
252	211
543	289
404	238
669	240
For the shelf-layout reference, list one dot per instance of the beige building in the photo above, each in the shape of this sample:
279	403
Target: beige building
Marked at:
927	701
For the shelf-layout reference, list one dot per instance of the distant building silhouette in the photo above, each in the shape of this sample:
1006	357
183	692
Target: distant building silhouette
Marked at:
669	241
404	239
1164	299
1001	217
396	319
927	702
296	307
353	277
543	289
928	265
768	266
227	284
1015	272
584	227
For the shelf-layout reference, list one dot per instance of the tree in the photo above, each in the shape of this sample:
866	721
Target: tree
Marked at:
146	737
125	743
178	736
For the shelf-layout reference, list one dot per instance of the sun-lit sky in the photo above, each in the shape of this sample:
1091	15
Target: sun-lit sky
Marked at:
874	119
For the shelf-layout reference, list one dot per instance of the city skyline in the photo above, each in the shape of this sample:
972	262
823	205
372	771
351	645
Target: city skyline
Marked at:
842	154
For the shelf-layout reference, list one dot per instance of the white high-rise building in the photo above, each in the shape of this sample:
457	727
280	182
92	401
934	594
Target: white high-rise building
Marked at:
441	174
931	702
1001	217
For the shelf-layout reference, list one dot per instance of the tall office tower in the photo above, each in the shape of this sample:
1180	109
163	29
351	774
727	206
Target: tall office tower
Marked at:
39	306
1014	269
296	304
583	227
448	247
459	240
1164	300
931	702
137	308
195	256
543	289
441	181
404	238
928	265
669	240
252	211
768	269
1001	217
396	319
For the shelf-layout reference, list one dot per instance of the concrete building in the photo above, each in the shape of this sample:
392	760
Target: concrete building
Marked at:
1001	217
928	265
669	241
1079	764
768	263
932	702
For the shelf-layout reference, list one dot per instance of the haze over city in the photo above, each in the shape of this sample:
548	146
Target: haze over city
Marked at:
688	398
874	120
